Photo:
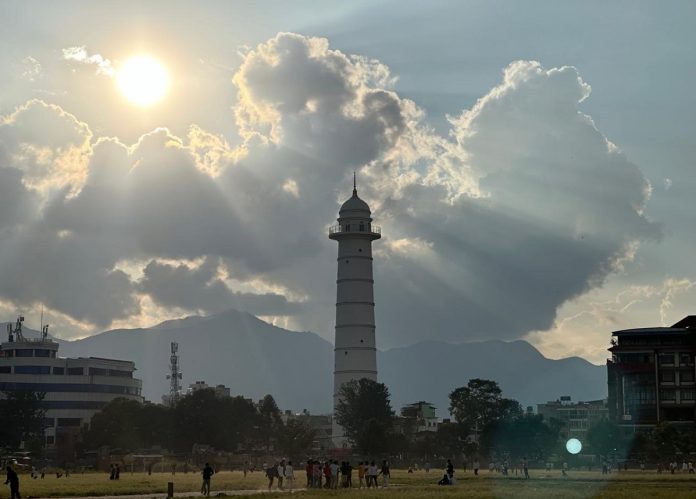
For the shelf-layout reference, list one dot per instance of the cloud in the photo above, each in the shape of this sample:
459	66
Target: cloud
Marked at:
203	289
31	69
49	145
488	231
584	326
80	55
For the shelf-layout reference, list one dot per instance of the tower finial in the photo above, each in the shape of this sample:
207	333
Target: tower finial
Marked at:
355	190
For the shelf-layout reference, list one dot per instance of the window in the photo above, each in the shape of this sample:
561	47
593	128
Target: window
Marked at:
362	228
59	370
95	371
667	377
687	394
347	227
24	352
50	440
5	369
120	374
667	359
49	422
32	370
668	395
42	352
684	359
686	376
75	371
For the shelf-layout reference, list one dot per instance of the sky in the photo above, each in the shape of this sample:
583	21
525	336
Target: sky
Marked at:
530	163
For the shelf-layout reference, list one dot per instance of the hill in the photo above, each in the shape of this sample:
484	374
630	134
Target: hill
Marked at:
253	358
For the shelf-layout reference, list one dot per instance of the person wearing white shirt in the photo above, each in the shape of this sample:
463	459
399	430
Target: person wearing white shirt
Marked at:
289	475
334	475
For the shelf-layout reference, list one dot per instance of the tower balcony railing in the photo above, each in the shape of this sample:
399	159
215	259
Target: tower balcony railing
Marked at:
356	228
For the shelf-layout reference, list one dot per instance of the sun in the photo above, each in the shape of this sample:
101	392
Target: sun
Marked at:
143	80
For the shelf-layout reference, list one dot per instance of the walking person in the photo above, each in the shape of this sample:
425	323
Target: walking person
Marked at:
271	473
334	474
361	475
476	466
13	481
349	475
289	476
207	473
450	470
385	474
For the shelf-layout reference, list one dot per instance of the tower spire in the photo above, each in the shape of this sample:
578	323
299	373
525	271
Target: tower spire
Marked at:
355	190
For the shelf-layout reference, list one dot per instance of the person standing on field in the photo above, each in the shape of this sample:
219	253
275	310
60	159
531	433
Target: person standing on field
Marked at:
13	481
289	475
207	473
385	474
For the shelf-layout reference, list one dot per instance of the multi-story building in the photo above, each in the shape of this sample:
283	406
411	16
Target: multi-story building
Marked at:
220	390
422	414
575	417
75	389
651	375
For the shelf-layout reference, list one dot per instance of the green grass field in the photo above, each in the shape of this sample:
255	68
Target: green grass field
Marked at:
578	485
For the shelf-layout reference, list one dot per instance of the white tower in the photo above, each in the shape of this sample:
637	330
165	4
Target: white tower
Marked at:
355	352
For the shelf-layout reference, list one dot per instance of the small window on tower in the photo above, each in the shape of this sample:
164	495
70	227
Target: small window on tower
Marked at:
359	250
346	353
347	261
362	341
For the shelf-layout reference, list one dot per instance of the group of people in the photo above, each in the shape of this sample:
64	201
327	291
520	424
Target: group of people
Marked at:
283	472
332	475
686	467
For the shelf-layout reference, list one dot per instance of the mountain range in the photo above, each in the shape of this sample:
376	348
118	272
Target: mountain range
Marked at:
254	358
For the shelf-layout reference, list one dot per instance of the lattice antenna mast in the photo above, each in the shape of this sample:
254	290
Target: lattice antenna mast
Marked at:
174	375
15	334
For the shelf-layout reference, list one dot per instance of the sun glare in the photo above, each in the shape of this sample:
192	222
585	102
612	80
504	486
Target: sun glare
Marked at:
143	80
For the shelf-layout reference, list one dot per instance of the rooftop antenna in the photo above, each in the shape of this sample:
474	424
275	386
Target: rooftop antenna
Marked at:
174	375
355	189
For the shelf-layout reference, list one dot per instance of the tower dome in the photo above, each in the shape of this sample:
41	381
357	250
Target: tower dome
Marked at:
354	207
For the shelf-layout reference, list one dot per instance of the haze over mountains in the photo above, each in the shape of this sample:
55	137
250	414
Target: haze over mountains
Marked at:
253	358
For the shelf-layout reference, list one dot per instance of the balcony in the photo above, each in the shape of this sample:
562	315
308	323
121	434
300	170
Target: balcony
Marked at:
369	229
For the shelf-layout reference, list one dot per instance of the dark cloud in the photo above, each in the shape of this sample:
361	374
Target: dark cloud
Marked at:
201	289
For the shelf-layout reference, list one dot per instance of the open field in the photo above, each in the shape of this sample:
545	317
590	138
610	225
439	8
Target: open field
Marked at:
578	485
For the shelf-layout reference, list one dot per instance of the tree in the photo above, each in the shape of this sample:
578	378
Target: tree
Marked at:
604	437
480	402
520	436
270	421
365	413
21	418
295	439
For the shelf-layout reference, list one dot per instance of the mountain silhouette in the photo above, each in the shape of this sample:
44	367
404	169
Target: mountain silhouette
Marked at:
254	358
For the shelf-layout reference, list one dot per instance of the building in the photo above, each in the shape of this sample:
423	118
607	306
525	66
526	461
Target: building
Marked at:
422	415
355	352
575	417
75	389
220	390
651	375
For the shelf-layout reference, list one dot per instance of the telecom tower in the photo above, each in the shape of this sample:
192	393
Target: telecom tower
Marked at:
174	375
355	352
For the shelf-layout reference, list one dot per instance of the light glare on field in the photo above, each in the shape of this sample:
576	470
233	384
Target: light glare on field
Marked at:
574	446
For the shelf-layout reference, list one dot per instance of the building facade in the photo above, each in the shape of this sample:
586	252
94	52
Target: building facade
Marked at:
575	417
651	375
355	352
75	389
422	415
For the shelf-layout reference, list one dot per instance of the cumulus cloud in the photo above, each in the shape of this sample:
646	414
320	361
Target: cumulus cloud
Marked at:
80	55
488	231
